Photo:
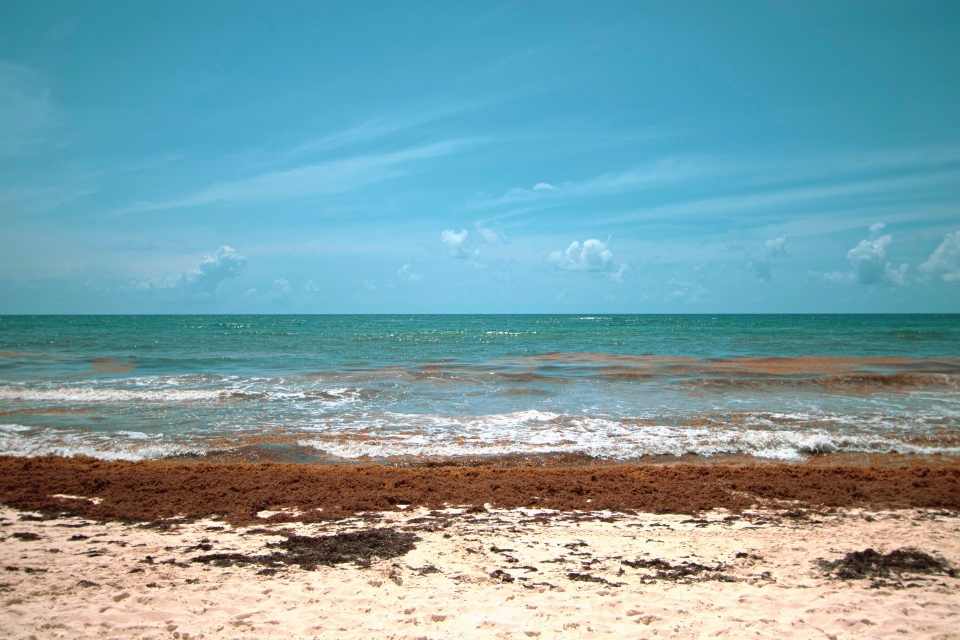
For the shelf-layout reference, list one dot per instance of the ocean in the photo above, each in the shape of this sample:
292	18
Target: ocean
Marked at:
396	388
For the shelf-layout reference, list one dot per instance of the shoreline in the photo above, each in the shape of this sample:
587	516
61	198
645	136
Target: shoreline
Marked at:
237	492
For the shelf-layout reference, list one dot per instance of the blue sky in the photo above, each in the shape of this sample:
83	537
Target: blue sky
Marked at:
527	157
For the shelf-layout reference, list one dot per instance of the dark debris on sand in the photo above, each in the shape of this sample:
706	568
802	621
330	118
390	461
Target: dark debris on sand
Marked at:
307	552
587	577
680	572
899	563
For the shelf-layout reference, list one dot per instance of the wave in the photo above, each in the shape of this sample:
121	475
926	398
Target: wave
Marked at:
14	428
543	432
123	445
387	435
101	394
663	441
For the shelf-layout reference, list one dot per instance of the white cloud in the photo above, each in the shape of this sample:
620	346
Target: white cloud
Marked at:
762	266
311	287
489	235
406	274
456	241
869	264
544	186
465	245
869	259
213	270
945	259
591	255
877	227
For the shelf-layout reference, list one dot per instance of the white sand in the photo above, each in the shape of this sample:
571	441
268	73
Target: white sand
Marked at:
777	592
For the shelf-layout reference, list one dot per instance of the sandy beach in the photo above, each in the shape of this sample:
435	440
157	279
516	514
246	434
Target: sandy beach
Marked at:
119	550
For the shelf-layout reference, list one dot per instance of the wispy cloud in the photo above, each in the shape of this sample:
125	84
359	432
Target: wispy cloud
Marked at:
27	111
373	129
780	198
746	185
659	173
324	178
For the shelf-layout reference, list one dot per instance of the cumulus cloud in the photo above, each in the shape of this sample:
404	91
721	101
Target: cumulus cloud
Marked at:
465	245
877	227
214	269
869	264
762	266
406	274
456	242
544	186
591	255
945	259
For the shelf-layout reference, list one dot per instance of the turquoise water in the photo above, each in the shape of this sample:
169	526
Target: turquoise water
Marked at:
358	387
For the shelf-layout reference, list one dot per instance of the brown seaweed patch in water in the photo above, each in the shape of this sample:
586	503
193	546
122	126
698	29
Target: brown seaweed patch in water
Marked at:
866	382
307	552
524	391
112	365
804	364
872	564
858	383
625	373
588	356
526	376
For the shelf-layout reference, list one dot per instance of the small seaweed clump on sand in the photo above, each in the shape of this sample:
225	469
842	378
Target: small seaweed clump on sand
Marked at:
872	564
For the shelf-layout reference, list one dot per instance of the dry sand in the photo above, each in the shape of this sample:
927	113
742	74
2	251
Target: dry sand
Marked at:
480	573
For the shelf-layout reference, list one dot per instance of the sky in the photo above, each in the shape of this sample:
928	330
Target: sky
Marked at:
529	157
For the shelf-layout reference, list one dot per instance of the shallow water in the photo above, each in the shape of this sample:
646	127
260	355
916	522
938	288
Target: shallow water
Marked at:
349	387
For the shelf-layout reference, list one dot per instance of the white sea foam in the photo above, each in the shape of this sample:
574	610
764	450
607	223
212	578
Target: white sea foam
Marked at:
12	428
105	446
539	432
95	393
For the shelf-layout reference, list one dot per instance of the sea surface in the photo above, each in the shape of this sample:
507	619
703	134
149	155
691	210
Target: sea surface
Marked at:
348	388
